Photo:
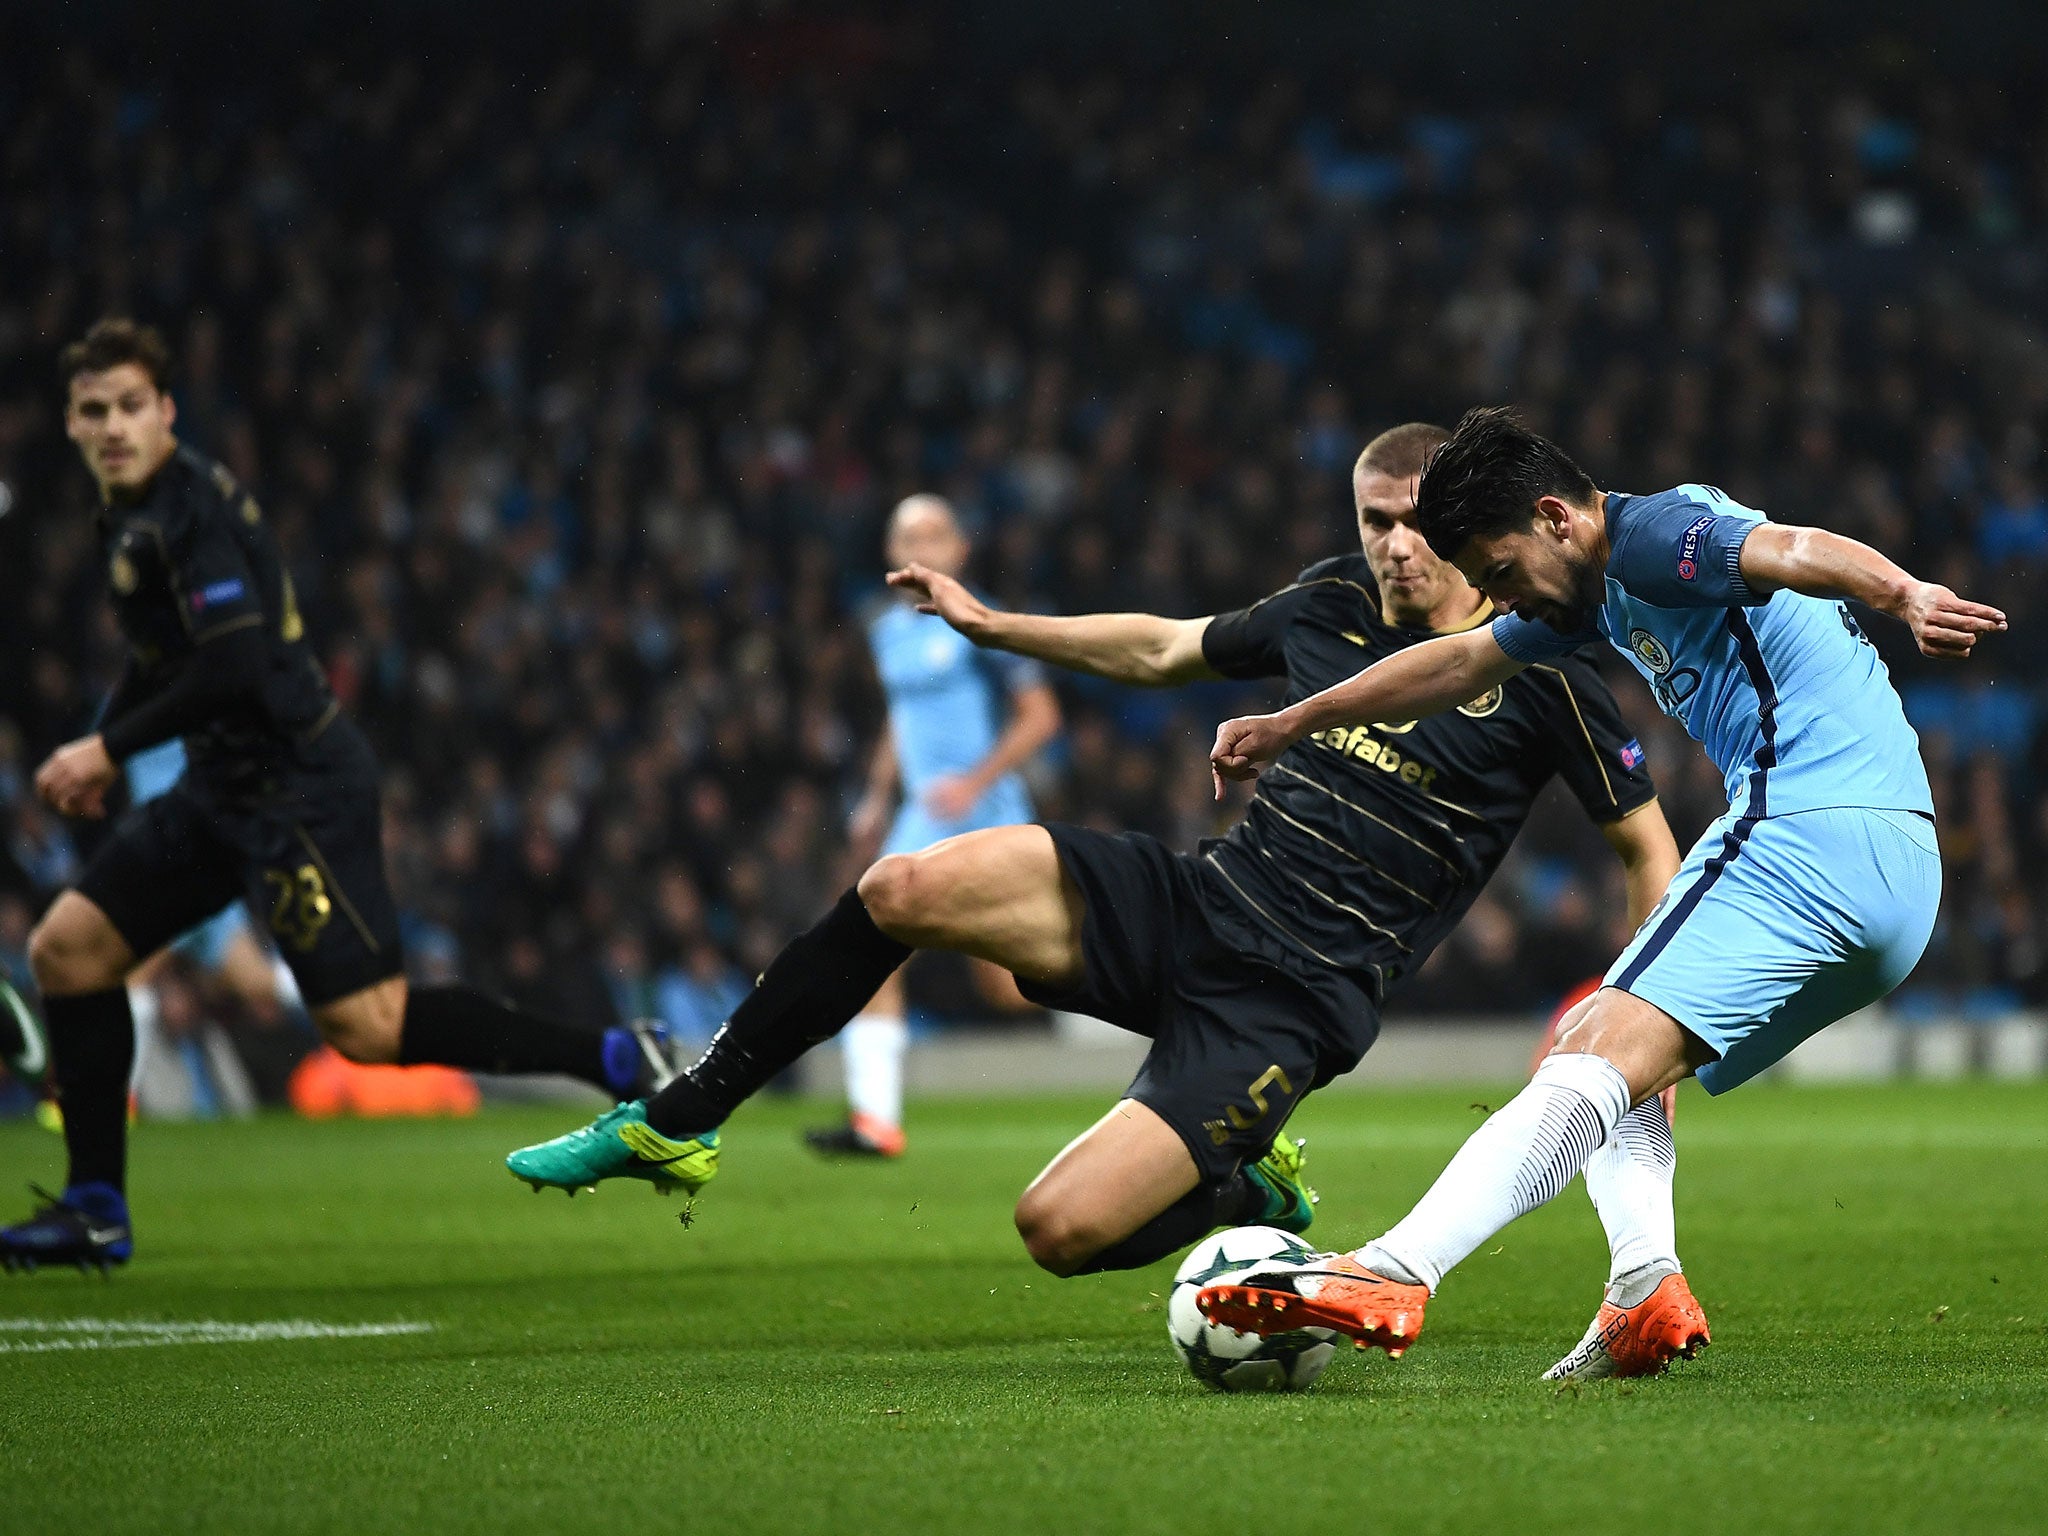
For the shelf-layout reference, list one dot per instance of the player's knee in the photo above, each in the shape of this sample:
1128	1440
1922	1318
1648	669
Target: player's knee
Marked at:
364	1034
894	889
67	958
1057	1242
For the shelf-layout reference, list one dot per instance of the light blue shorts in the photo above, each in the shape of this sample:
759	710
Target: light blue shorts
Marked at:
1775	928
915	828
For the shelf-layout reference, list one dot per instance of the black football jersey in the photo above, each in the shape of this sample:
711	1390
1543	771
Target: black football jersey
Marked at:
191	561
1365	844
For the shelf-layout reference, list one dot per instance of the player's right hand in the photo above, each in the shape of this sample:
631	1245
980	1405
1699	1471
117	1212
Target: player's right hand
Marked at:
1946	625
74	779
941	594
1245	745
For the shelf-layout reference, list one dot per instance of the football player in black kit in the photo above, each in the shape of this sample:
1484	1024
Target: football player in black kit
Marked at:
1257	966
279	807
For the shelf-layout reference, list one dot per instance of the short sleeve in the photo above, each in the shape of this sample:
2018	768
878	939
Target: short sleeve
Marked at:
1678	550
1251	642
1598	757
213	582
1531	640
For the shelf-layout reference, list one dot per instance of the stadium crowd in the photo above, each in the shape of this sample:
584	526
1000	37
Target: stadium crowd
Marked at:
577	397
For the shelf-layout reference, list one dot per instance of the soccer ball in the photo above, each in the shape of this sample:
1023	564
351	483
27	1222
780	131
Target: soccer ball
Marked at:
1228	1360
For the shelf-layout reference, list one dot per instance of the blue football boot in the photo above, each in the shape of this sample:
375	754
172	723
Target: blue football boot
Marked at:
86	1226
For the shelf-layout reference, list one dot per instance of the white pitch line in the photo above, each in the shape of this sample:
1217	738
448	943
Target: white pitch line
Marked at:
121	1333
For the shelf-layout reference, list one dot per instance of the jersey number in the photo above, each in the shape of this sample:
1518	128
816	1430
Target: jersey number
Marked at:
1236	1119
300	907
290	627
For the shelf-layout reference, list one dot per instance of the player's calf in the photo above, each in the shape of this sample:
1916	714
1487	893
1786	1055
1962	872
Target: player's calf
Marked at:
367	1026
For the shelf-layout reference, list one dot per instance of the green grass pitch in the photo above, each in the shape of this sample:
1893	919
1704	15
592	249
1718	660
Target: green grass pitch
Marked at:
856	1347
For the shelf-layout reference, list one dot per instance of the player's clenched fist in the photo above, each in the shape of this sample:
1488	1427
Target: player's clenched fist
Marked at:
1245	745
75	778
1947	625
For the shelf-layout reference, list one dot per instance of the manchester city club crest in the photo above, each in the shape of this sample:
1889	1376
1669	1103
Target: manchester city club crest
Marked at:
1651	650
1482	706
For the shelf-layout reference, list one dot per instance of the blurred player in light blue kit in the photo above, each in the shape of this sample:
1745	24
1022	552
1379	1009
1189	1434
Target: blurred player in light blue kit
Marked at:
1813	897
962	722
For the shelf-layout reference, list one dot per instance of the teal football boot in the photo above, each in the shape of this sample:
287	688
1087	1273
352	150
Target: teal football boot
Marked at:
618	1144
1290	1203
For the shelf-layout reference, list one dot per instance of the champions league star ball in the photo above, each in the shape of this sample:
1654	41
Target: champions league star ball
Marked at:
1228	1360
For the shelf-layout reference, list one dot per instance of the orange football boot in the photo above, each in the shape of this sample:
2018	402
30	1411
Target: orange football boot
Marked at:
1336	1292
1640	1340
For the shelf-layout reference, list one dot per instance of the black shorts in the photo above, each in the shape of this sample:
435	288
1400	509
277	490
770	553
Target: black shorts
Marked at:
308	858
1241	1027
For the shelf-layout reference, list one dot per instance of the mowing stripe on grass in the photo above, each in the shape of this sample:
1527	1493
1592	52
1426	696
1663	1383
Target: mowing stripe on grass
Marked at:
112	1333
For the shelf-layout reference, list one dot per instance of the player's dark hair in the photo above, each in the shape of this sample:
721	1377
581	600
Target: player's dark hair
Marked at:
1487	478
1401	452
113	341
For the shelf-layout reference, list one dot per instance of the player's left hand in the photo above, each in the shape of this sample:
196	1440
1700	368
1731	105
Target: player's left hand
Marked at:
951	798
74	779
1946	625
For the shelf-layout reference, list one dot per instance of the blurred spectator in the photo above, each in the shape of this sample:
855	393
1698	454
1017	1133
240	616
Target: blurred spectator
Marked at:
576	394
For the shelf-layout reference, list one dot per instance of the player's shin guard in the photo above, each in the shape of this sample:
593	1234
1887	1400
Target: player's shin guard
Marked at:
1630	1181
92	1054
1233	1202
822	978
1524	1154
458	1026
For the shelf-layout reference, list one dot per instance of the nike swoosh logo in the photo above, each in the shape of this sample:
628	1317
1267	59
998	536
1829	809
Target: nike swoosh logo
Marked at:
103	1236
1356	638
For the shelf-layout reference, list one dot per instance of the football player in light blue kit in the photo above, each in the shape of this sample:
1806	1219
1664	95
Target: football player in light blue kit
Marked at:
1813	897
962	722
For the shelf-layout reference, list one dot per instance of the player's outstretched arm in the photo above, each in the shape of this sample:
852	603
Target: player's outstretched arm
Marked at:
1138	648
1823	564
1424	679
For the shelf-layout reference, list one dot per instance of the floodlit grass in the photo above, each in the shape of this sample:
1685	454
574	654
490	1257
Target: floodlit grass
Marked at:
856	1347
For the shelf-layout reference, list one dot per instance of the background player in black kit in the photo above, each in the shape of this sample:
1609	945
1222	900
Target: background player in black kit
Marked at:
279	806
1258	966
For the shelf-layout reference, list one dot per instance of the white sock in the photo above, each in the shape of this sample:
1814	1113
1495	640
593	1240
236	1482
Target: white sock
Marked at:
1526	1152
1630	1182
874	1044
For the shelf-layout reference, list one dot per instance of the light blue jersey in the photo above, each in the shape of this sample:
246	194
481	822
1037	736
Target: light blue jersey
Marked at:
1790	700
1816	893
948	704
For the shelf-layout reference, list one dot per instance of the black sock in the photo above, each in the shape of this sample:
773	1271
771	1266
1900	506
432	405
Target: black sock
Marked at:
822	978
1229	1204
92	1053
458	1026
